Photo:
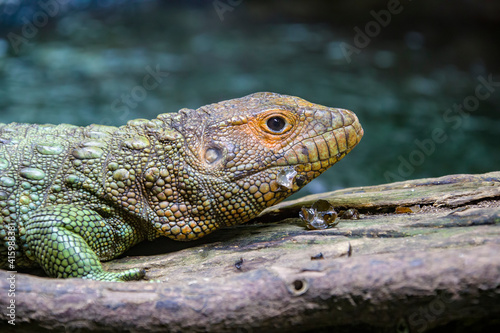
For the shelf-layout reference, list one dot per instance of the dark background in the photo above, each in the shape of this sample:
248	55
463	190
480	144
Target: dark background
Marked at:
72	61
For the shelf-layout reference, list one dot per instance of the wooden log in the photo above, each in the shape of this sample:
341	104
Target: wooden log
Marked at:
435	267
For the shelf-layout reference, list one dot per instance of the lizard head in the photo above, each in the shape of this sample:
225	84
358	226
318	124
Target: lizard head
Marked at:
246	154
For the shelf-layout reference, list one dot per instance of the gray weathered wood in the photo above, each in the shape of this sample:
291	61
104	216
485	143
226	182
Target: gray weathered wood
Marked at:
413	272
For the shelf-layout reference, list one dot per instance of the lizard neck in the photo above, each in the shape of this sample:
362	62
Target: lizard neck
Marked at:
139	153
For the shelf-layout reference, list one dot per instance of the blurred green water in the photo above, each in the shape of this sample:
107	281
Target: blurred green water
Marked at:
403	85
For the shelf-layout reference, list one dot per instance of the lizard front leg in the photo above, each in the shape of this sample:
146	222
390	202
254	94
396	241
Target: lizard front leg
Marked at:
69	241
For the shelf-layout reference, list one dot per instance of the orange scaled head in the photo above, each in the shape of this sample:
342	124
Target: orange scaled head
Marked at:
243	155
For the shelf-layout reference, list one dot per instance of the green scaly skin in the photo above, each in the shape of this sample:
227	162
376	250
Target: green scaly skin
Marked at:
71	197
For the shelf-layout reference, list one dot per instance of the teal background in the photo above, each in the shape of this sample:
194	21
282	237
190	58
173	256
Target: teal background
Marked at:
403	83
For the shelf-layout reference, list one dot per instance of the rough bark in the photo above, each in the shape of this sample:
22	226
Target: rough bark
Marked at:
435	267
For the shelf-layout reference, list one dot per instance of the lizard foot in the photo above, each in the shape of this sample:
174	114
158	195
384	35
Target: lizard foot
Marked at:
128	275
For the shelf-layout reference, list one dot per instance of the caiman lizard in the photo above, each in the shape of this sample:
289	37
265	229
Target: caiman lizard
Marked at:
71	197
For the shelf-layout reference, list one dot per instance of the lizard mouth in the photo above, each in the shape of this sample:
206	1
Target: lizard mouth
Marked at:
305	160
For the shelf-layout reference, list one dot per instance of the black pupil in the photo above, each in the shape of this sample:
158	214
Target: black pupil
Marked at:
276	124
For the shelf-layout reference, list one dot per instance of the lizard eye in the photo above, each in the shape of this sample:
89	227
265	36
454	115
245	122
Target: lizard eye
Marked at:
276	124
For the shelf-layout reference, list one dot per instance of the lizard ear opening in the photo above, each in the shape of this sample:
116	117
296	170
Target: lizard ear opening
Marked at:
213	154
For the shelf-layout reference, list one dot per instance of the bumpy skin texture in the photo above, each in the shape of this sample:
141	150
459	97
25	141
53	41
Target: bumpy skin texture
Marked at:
71	197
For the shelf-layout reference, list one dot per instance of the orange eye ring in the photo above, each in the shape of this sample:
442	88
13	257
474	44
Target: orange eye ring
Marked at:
276	123
273	127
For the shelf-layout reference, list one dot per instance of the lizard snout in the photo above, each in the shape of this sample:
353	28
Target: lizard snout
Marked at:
332	134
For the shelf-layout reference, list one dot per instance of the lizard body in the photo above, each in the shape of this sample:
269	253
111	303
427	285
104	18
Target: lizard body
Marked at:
71	196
